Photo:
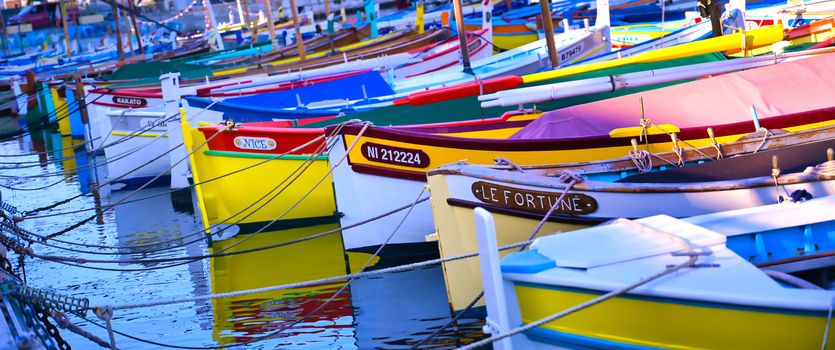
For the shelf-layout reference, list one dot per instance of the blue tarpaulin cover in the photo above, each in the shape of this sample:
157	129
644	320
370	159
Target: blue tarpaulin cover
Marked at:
270	105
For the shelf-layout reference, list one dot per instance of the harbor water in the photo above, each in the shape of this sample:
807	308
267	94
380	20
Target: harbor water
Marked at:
389	310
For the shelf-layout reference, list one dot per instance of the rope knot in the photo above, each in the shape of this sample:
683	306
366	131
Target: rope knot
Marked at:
567	176
641	159
28	251
645	124
62	319
105	313
501	161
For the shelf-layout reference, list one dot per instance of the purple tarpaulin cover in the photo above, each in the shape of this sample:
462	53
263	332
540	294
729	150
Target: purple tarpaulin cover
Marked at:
774	90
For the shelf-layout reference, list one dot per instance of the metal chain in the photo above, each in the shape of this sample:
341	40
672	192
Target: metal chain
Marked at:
6	265
8	208
43	315
37	327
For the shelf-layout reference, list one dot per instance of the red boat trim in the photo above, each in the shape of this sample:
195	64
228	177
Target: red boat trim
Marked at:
390	173
582	142
470	38
477	50
822	44
823	25
478	125
129	93
464	90
208	89
266	130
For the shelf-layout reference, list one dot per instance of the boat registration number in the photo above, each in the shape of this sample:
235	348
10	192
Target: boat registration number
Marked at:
571	53
535	201
153	123
414	158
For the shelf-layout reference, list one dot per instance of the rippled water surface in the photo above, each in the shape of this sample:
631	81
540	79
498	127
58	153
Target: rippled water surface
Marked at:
394	310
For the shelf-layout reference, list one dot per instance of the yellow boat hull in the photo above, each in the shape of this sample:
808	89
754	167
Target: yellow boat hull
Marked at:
456	236
665	323
739	42
455	230
272	193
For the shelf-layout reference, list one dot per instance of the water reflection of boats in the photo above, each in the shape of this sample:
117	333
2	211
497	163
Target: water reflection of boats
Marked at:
9	125
249	317
136	231
390	307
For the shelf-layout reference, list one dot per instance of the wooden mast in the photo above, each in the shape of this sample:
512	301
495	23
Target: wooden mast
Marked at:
248	22
271	26
297	26
136	27
119	47
66	31
462	36
128	32
212	25
548	25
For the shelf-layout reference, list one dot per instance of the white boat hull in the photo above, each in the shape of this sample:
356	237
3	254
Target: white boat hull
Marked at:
362	196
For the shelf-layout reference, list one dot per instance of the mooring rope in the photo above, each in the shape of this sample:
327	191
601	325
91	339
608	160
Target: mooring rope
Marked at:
46	123
615	293
73	261
263	228
201	232
570	179
90	166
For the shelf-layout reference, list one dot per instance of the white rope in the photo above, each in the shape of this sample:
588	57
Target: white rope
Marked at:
105	313
765	138
680	153
642	160
828	321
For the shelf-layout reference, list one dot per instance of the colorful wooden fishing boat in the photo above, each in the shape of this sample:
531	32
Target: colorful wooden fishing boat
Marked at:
240	156
673	50
453	204
287	139
105	101
511	62
734	284
571	137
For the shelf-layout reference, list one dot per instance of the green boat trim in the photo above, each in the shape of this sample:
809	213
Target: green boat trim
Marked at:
262	156
284	224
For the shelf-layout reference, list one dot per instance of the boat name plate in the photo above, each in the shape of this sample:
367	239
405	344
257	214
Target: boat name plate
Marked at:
255	143
534	201
130	101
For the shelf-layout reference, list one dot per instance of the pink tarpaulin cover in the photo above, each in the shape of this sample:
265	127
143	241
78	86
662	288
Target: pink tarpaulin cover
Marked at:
775	90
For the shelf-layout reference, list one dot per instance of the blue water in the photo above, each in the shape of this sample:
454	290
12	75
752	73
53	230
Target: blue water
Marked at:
394	310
